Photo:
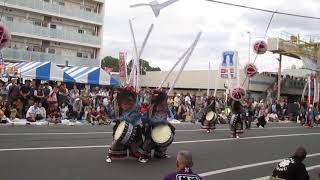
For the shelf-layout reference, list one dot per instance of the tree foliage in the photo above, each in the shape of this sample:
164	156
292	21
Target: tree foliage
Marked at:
145	66
110	62
113	63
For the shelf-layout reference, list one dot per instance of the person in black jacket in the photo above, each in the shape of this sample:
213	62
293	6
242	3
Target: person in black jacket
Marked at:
292	168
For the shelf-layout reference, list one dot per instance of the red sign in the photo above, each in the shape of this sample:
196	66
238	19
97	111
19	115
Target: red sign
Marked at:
122	64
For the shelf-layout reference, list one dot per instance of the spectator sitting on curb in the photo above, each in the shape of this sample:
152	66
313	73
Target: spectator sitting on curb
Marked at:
94	116
183	168
32	113
4	119
103	117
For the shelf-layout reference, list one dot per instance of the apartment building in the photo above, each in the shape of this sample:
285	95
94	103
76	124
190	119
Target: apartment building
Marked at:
67	32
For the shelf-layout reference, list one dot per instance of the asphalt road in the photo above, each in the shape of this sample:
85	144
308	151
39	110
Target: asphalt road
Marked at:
78	153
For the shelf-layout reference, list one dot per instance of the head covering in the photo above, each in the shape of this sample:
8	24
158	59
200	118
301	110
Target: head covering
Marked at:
158	97
125	94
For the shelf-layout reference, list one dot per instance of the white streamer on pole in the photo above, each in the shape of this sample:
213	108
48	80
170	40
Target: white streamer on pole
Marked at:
215	85
309	90
140	53
318	88
209	73
135	50
174	66
135	71
314	91
185	62
304	91
238	70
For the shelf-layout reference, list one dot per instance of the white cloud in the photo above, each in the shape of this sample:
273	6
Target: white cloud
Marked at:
224	28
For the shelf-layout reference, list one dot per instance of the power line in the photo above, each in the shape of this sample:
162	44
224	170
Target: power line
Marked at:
264	10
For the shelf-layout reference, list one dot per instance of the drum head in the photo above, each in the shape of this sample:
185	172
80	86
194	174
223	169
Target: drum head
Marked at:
161	134
119	130
318	117
210	115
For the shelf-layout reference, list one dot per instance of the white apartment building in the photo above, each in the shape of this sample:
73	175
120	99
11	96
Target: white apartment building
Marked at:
61	31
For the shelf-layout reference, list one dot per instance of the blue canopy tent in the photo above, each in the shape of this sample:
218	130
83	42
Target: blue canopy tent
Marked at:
90	75
47	71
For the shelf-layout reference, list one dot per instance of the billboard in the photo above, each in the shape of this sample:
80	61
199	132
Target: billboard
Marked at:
229	65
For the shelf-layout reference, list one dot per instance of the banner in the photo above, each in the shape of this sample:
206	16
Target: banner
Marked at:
229	65
122	64
2	65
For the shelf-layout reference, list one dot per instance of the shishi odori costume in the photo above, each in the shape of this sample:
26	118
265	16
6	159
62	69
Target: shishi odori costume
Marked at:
158	132
209	119
127	132
236	122
310	117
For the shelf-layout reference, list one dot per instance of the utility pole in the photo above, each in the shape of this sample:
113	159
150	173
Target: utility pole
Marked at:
249	57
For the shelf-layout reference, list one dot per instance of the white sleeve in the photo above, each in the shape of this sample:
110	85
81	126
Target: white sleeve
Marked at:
28	112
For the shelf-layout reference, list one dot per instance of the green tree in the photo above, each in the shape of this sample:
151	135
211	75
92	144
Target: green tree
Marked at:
110	62
145	66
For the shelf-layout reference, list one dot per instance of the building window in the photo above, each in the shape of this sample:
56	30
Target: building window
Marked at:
61	3
79	54
37	23
81	31
53	26
9	18
46	1
51	51
85	55
88	9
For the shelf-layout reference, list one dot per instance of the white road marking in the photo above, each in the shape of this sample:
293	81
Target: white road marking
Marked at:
308	169
54	148
99	132
245	138
176	142
54	133
220	171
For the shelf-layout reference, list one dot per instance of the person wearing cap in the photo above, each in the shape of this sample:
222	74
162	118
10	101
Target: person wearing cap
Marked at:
184	164
292	168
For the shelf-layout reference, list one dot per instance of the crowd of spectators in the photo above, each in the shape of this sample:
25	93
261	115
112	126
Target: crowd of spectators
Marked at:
54	102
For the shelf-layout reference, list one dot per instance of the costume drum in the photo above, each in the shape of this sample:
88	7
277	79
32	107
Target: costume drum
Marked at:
211	116
162	135
210	121
125	133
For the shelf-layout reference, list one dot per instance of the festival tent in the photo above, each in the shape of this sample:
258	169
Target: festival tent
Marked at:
47	71
90	75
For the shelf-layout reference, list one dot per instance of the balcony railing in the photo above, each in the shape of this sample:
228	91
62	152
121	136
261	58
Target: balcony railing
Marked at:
27	28
56	9
21	55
